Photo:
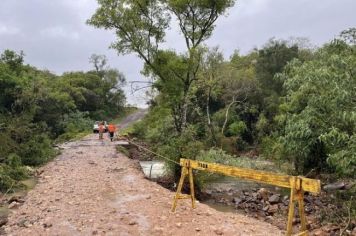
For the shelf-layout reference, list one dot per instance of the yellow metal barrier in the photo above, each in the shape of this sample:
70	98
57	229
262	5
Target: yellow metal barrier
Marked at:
297	184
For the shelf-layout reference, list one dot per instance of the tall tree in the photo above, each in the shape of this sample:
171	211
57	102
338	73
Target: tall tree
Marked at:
140	27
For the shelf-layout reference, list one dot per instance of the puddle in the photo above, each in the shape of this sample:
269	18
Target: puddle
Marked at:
220	206
29	183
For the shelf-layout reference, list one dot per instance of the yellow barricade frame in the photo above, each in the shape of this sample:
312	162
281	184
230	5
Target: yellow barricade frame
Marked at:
297	184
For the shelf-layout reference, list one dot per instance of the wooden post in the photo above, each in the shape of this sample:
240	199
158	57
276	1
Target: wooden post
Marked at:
291	211
191	185
296	195
301	212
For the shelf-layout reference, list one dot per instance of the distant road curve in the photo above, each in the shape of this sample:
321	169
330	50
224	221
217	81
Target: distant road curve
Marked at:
138	115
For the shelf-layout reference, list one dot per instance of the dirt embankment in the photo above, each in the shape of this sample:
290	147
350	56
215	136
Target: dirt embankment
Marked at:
91	190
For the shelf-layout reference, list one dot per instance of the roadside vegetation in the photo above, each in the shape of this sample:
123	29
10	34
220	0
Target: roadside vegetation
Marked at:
39	109
287	102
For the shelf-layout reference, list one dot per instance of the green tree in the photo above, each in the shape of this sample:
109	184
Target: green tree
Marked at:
319	111
140	27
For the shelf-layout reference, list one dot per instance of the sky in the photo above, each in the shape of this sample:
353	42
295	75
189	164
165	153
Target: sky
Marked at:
54	36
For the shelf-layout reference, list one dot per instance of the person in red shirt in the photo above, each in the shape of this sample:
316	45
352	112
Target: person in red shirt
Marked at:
111	129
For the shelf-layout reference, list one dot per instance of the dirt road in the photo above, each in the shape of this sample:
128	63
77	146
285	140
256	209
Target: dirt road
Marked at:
91	190
133	118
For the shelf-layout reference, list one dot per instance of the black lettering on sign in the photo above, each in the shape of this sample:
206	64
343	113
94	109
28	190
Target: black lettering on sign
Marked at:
203	165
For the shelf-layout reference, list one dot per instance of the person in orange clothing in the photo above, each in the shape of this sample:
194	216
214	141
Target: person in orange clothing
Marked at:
101	130
111	129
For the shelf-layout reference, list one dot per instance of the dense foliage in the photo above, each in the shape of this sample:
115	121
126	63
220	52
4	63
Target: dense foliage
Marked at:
284	101
38	107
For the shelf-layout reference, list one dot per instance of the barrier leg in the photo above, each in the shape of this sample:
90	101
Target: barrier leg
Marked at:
179	188
301	212
191	185
290	213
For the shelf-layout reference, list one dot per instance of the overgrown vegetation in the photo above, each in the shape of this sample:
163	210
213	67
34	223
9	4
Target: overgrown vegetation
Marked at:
288	102
38	108
285	102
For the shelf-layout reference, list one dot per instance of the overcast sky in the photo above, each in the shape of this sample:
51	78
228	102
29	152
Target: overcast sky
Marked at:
54	36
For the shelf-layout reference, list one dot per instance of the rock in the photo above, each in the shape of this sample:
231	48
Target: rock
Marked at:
334	186
265	208
318	203
218	232
16	199
236	200
179	224
3	220
209	192
273	209
295	221
197	229
158	229
319	232
14	205
132	222
47	225
263	193
275	198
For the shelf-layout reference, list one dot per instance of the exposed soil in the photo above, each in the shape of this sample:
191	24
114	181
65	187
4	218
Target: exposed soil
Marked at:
91	190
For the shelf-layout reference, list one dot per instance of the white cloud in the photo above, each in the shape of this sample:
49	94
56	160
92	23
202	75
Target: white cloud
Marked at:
8	30
59	32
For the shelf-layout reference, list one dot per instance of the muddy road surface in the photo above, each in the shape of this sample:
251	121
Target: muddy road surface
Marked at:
90	189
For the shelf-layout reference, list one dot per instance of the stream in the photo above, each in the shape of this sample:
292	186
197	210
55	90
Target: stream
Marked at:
220	193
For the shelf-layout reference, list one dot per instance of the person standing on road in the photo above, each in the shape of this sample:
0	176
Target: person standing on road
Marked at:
101	130
111	129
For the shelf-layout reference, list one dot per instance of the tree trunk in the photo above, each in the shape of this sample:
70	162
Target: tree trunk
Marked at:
211	128
227	114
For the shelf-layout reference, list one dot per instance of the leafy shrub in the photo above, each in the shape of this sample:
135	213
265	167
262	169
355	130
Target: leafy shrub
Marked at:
320	110
38	150
6	181
221	157
241	144
14	168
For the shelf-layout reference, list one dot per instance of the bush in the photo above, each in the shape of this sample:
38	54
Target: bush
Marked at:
236	128
221	157
37	151
6	182
75	125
